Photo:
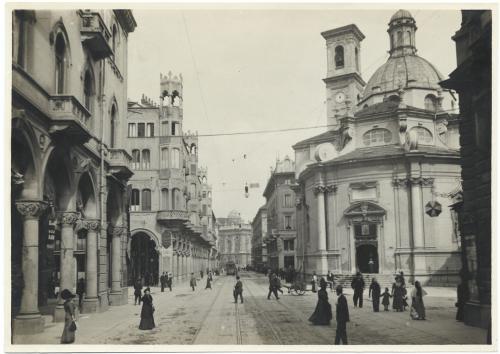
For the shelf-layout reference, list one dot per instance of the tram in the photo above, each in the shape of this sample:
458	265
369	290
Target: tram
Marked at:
230	268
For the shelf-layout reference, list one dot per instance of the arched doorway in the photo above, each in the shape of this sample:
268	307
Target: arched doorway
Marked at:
367	258
144	259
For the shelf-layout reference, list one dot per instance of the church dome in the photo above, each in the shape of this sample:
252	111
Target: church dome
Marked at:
400	14
403	71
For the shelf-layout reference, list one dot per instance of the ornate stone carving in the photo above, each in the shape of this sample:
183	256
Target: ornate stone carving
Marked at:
117	231
319	189
91	224
67	217
331	188
400	182
31	209
422	181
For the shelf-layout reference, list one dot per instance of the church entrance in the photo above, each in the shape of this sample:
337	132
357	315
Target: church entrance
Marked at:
144	259
367	258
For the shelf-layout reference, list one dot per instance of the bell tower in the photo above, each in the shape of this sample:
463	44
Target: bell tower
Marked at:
344	84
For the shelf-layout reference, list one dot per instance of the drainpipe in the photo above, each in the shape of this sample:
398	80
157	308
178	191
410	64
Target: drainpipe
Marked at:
102	191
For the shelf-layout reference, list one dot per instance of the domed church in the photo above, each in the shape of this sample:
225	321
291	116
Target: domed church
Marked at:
374	191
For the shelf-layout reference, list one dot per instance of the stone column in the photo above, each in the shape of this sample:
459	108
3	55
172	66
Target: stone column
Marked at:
67	280
322	263
115	295
417	213
29	319
90	302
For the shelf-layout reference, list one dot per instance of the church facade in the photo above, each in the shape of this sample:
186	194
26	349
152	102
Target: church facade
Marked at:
373	192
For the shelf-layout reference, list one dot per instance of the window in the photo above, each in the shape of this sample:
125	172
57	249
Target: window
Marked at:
136	159
430	103
164	158
150	130
112	127
288	222
377	136
146	159
81	241
134	203
141	130
88	90
339	57
204	194
175	128
164	128
176	199
115	39
408	33
356	56
60	49
288	245
21	37
365	230
175	158
146	200
424	135
287	201
164	199
192	149
400	38
132	130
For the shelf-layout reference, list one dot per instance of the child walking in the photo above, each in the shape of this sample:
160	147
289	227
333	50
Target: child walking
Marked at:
385	299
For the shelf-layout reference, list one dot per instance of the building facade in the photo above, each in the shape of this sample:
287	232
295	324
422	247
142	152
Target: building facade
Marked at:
172	223
472	80
373	191
259	234
235	240
281	218
69	205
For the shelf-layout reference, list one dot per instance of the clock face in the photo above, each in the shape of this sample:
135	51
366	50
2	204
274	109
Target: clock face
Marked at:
325	152
340	97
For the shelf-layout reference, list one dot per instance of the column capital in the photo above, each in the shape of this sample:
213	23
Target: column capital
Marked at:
400	182
91	224
117	231
319	189
67	217
421	181
331	188
31	209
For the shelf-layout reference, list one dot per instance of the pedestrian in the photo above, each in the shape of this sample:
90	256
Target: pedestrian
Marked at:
385	299
314	282
330	279
68	334
273	287
201	274
80	290
209	283
278	284
342	316
417	301
147	319
163	282
322	315
374	292
462	298
238	290
398	293
137	292
402	279
358	284
192	282
371	265
169	281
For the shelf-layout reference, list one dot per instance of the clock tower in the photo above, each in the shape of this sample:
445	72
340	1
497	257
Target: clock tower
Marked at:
344	85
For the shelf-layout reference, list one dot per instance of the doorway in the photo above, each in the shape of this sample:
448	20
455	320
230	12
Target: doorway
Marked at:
144	259
367	258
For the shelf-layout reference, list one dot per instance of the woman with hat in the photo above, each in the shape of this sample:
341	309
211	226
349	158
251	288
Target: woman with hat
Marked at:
68	335
147	320
323	313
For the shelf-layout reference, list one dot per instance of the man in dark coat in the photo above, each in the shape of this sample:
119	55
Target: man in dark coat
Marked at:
273	287
374	292
137	292
169	279
358	284
80	289
163	281
238	290
342	317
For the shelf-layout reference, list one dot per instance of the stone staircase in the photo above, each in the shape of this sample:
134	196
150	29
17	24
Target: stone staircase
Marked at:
385	280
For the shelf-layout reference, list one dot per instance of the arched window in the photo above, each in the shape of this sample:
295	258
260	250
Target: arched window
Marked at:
430	102
192	150
115	39
175	158
176	199
164	157
424	135
146	200
134	202
400	38
339	57
112	127
136	159
146	159
377	136
164	199
60	51
88	90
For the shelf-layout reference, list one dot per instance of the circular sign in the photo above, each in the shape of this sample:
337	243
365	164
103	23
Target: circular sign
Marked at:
433	209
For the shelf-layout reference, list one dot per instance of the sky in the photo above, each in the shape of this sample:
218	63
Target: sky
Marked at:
260	69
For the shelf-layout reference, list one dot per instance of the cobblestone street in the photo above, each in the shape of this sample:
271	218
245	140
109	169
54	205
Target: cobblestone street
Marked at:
211	317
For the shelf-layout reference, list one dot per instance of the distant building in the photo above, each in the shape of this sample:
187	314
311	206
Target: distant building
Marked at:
259	247
235	239
472	80
69	166
172	223
373	191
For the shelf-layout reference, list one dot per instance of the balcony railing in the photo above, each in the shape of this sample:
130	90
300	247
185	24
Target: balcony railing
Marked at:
69	118
95	35
167	215
120	162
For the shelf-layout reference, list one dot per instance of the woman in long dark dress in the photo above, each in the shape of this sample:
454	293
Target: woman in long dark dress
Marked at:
417	301
147	320
322	315
68	336
398	301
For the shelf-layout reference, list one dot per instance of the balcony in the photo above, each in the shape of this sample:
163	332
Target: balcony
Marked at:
119	162
95	35
172	215
69	118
